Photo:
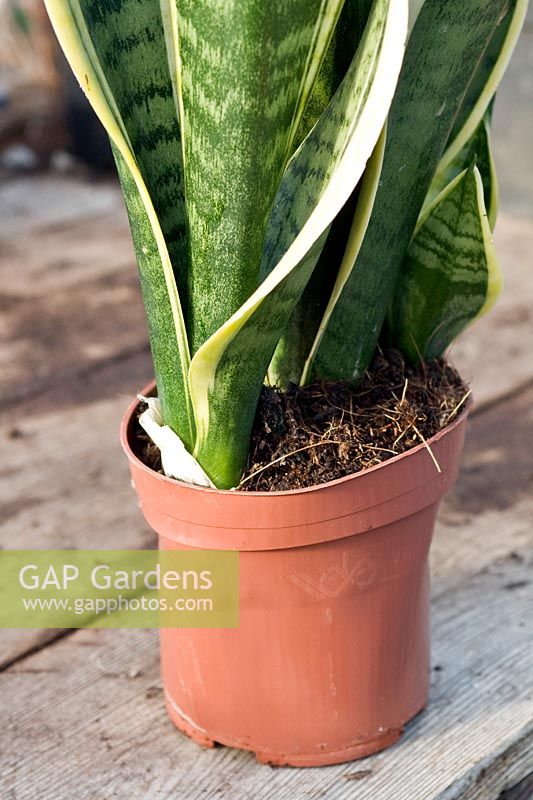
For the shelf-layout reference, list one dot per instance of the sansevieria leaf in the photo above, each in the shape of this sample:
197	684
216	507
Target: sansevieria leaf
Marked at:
335	63
300	331
360	221
415	7
245	71
450	275
486	78
227	372
128	39
470	135
167	329
295	352
445	46
479	149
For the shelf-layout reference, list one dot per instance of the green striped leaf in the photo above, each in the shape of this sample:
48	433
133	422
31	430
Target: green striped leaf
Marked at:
444	49
129	41
337	59
167	341
450	276
486	78
299	332
360	222
226	374
293	348
470	136
295	352
477	149
245	71
90	56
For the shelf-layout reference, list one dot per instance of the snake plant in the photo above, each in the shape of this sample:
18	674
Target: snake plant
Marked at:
302	177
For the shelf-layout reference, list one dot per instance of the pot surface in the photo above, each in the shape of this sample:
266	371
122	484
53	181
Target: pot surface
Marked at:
331	656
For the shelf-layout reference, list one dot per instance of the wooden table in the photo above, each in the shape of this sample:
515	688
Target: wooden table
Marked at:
82	712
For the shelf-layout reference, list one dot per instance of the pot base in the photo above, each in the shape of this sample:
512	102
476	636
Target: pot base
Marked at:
326	758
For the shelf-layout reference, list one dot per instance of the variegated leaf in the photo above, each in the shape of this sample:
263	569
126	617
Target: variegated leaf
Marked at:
486	78
470	136
295	352
415	6
94	56
293	348
361	218
129	41
337	59
444	49
245	71
477	149
450	275
226	374
294	355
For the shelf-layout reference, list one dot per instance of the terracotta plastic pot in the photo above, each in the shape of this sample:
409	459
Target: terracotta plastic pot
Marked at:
331	657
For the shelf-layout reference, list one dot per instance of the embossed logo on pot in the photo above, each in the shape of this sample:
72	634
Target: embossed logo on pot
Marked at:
337	579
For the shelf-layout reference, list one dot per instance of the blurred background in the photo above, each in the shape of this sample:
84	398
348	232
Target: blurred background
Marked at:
45	121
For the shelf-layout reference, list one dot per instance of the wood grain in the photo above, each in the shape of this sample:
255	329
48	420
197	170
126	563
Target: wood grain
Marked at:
69	294
66	490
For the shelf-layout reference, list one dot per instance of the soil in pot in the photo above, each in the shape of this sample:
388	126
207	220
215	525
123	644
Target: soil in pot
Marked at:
310	435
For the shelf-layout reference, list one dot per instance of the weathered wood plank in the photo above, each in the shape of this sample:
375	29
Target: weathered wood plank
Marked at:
69	292
29	205
89	502
65	480
83	718
488	513
521	791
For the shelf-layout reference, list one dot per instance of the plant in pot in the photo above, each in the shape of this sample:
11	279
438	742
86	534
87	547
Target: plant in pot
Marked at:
311	195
